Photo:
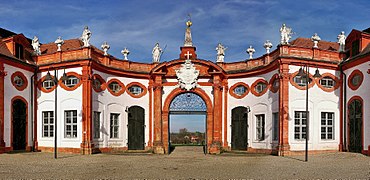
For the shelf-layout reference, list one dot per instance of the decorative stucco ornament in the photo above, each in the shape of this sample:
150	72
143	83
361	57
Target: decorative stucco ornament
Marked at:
36	45
187	75
125	52
105	46
315	38
285	34
267	46
250	51
342	41
85	37
59	43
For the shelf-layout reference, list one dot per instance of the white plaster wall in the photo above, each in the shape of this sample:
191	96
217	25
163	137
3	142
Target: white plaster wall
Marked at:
10	92
319	101
363	92
265	104
67	100
107	103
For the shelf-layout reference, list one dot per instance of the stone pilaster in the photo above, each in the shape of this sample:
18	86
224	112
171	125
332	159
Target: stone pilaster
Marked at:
87	143
283	146
158	130
217	118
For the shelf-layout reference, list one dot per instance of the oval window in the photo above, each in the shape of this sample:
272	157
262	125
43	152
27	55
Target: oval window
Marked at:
240	90
327	82
260	87
48	84
301	80
71	81
18	81
135	90
115	87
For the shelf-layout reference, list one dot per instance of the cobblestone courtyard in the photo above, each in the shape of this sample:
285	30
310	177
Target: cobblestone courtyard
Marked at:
183	163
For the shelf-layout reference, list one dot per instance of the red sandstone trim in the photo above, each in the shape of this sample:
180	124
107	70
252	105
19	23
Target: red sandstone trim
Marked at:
236	85
355	72
23	77
145	90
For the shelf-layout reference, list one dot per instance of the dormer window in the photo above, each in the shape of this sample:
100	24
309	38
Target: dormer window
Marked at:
19	52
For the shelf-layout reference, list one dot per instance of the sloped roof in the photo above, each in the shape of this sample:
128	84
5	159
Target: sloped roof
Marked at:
69	44
4	49
307	43
6	33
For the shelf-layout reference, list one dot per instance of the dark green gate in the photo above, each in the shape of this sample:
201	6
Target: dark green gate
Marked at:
239	128
136	128
355	126
19	115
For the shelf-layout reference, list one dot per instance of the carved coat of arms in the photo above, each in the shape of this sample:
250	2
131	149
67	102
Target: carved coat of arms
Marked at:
187	75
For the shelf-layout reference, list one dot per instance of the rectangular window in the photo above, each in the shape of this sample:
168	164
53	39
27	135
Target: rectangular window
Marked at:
260	127
300	122
70	120
48	84
48	124
275	126
96	124
114	125
327	125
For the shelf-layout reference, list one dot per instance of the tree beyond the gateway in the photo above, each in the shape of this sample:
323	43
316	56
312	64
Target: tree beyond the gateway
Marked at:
186	138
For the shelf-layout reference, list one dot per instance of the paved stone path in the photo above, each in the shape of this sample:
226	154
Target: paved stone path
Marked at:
183	163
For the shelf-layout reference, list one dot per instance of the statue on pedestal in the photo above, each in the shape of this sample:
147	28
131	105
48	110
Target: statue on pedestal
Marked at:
36	45
285	34
85	37
157	52
220	52
342	41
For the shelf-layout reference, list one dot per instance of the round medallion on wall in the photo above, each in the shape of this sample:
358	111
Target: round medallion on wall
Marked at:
19	80
355	79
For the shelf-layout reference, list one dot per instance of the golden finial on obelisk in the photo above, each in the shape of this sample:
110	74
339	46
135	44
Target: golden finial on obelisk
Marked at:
189	23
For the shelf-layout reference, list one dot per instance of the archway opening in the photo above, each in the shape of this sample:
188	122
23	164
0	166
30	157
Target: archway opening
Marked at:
187	122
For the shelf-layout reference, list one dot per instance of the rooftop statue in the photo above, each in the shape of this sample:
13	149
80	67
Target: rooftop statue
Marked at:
105	46
285	34
315	38
36	45
342	41
86	35
220	52
157	52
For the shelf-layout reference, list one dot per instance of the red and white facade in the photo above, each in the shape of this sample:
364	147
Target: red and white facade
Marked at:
94	103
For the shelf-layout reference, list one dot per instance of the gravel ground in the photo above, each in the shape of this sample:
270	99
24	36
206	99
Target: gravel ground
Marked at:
183	163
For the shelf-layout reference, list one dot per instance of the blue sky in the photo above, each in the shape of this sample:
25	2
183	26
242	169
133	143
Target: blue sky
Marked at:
191	122
138	25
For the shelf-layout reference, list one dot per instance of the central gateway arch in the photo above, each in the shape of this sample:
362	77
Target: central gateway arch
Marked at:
188	74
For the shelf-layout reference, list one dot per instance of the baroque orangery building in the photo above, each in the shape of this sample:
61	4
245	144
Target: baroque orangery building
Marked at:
94	102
